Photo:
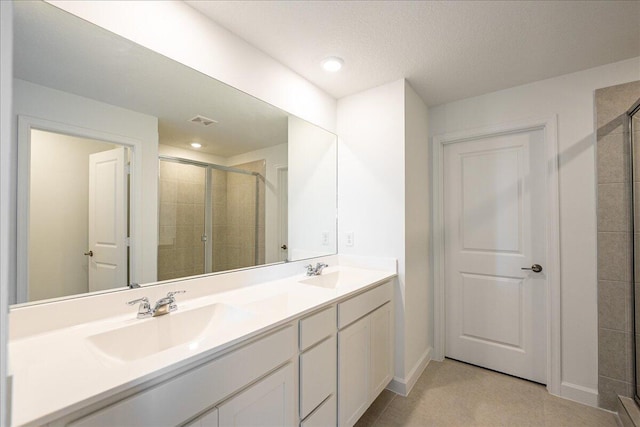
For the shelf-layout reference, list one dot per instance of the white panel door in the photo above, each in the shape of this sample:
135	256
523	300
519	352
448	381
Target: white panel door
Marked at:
107	220
494	210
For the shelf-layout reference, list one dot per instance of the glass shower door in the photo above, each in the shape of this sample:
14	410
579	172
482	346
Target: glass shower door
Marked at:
237	207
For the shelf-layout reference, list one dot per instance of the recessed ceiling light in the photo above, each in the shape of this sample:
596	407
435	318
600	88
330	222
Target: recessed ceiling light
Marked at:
332	64
196	145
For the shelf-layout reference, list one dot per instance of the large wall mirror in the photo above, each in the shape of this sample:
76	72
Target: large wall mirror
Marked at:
133	168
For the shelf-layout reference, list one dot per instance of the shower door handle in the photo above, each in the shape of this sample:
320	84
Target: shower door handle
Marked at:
536	268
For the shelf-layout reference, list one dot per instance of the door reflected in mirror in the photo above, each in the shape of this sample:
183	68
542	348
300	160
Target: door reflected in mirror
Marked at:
81	184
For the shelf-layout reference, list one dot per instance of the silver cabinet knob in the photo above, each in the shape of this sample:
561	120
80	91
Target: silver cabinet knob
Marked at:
536	268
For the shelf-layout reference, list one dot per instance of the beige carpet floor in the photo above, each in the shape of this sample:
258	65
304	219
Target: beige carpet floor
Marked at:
452	393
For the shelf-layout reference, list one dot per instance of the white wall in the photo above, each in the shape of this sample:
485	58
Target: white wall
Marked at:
64	108
571	97
371	187
59	214
179	32
419	283
312	190
383	198
7	195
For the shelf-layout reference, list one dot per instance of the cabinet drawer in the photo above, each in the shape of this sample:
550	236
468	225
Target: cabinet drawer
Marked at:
269	402
317	327
317	375
358	306
199	388
324	416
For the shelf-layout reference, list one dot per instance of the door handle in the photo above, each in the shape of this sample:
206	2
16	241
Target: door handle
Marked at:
90	253
283	247
536	268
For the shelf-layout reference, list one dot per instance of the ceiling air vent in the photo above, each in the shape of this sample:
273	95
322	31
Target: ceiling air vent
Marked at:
202	120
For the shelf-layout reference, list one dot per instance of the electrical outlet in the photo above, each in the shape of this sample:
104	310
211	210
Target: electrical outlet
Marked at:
350	238
325	238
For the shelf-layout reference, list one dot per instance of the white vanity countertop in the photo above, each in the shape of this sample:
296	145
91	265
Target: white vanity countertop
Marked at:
60	371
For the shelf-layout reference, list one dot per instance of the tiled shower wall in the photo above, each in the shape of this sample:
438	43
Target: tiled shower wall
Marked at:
615	328
182	205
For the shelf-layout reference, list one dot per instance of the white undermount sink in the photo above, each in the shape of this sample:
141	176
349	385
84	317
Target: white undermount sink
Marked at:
153	335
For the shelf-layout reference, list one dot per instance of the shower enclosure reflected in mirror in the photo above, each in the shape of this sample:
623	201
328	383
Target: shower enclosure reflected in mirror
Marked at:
211	217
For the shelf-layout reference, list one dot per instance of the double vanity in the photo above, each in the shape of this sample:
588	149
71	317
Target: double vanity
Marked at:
253	346
266	346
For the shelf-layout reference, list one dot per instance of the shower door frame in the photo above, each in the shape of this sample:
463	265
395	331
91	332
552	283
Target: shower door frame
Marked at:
208	206
628	128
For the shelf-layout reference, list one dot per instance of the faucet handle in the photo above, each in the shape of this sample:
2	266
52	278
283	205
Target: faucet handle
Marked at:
319	267
143	300
171	294
172	301
144	310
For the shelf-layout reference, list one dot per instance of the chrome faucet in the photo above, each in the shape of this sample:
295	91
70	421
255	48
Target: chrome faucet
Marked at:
317	270
163	306
167	304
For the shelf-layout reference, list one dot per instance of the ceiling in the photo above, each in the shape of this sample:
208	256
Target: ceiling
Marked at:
61	51
448	50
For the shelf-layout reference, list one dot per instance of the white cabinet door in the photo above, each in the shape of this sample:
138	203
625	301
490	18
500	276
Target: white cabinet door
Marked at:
353	371
381	349
269	402
365	367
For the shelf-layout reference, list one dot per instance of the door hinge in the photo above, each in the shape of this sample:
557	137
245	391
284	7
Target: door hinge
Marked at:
127	169
128	241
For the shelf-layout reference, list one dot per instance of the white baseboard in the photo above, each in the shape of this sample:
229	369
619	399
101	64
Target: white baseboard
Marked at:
403	386
580	394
